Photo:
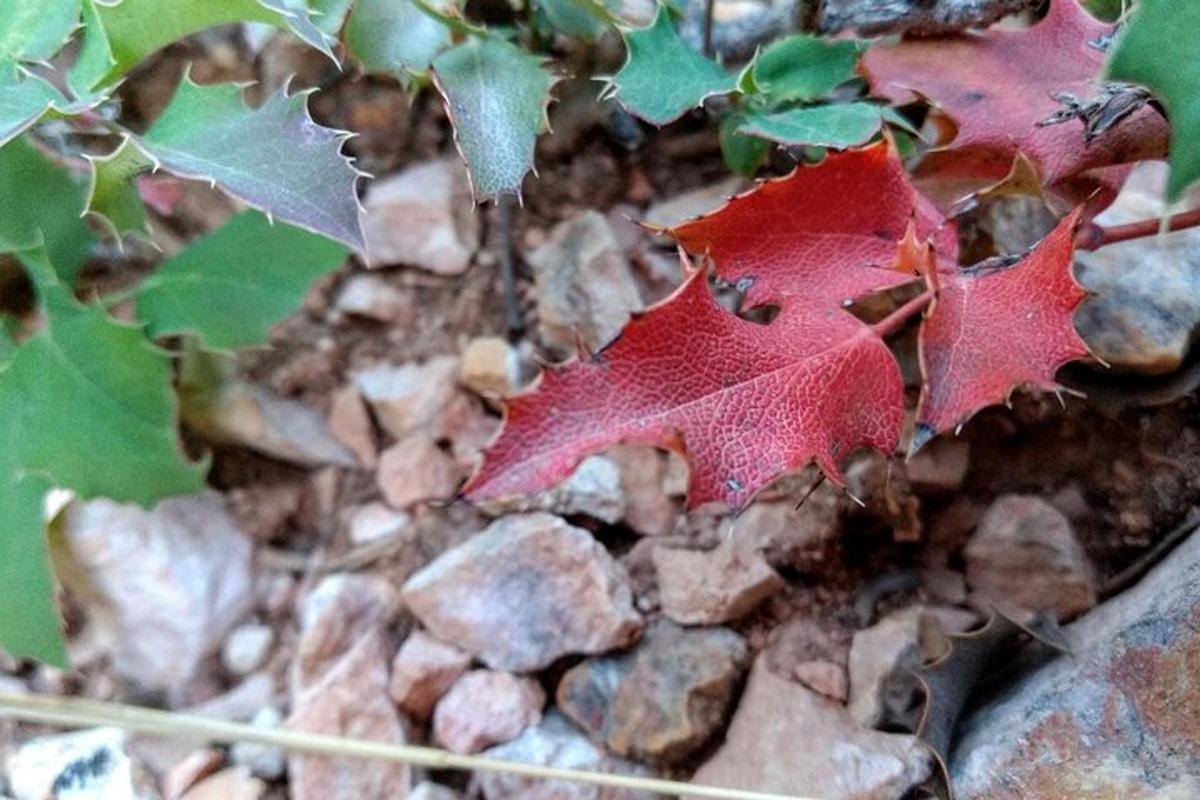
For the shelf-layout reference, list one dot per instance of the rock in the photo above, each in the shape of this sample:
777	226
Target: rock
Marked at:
246	648
884	691
197	766
787	739
350	700
229	784
342	609
375	522
486	707
161	587
648	508
1024	553
527	590
824	677
940	466
796	538
415	470
262	760
426	790
584	285
422	671
410	396
490	366
692	204
422	217
245	415
594	489
372	297
739	26
1117	718
662	701
700	587
72	766
351	425
1146	311
554	743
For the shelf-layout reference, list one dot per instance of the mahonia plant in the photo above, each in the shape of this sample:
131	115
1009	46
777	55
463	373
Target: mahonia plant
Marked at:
86	401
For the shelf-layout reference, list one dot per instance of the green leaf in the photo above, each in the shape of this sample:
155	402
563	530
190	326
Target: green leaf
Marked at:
804	67
662	77
840	126
574	18
29	621
743	154
274	157
1160	49
113	197
132	30
23	100
394	36
330	15
34	30
232	285
496	95
47	211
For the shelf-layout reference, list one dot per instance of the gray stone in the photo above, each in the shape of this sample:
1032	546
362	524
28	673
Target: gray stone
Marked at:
524	592
72	766
695	203
883	661
1117	718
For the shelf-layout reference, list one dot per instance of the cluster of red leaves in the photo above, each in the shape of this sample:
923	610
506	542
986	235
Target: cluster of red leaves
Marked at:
745	402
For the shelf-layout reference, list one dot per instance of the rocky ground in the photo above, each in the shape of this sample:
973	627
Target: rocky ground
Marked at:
329	582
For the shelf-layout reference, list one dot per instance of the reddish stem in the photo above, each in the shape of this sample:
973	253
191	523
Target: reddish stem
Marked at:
1092	236
895	320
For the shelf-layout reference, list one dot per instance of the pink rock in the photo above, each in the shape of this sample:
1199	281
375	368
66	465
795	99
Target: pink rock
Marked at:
422	671
372	297
335	615
648	508
351	425
416	470
484	708
235	783
490	366
824	677
350	700
410	396
197	766
707	587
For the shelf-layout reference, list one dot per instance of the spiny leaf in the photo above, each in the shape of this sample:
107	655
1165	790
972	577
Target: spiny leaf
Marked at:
113	197
993	328
131	30
1160	49
803	67
999	87
826	233
394	36
50	214
274	157
232	285
741	402
574	18
23	100
838	125
662	77
85	404
743	154
34	30
496	95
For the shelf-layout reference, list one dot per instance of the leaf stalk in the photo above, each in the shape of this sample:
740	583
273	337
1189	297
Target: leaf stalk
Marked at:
1092	236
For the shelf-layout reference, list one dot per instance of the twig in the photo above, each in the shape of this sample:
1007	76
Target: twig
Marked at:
922	17
75	712
505	212
1092	236
895	321
710	7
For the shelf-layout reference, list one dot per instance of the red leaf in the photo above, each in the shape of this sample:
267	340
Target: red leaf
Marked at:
992	329
825	233
742	402
999	85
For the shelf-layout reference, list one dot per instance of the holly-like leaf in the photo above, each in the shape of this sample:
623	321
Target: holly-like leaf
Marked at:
394	36
741	402
496	95
34	30
274	157
85	404
803	67
1161	51
662	77
743	154
23	100
229	287
131	30
825	233
995	327
1001	86
48	214
113	197
580	20
838	125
